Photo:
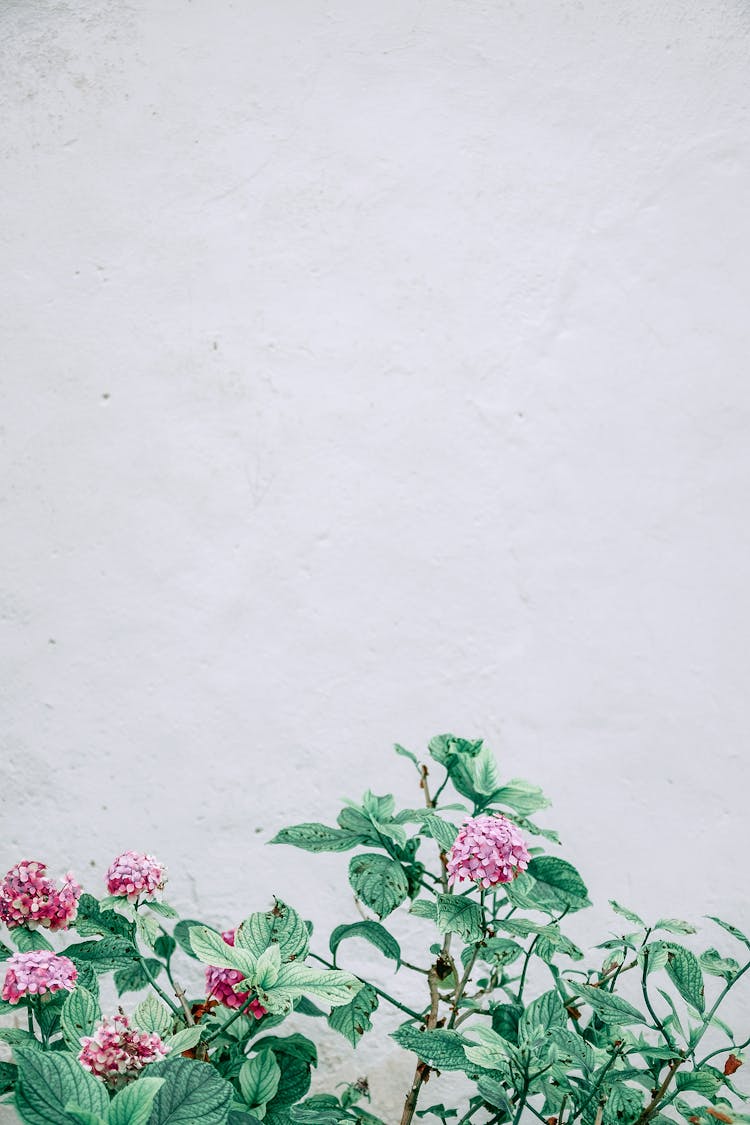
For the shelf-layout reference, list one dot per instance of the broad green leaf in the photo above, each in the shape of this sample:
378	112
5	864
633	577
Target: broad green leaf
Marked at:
712	962
630	915
685	973
163	909
92	919
505	1021
494	951
8	1074
675	926
210	948
136	976
134	1103
333	985
545	1012
79	1016
730	929
373	932
485	1048
352	1020
28	940
705	1081
279	926
558	884
460	915
316	838
442	831
110	952
148	929
292	1046
424	908
378	881
609	1008
268	967
82	1116
152	1015
442	1049
48	1081
520	796
654	956
20	1037
192	1092
183	1040
259	1079
182	935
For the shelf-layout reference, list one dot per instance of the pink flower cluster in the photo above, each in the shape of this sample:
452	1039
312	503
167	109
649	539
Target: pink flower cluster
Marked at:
487	850
134	875
37	972
28	897
220	985
116	1051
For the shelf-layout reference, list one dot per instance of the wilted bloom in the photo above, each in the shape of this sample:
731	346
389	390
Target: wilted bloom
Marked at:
28	897
37	972
134	875
116	1051
487	850
220	985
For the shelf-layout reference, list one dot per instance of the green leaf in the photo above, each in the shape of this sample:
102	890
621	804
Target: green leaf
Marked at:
28	940
705	1081
268	967
505	1021
163	909
424	908
135	977
151	1015
8	1074
685	973
654	956
294	980
712	962
49	1080
486	1048
294	1046
378	881
406	754
19	1037
730	929
148	929
610	1009
182	935
625	913
442	831
545	1012
442	1049
92	920
558	884
520	796
79	1016
110	952
316	838
192	1092
210	948
675	926
279	926
352	1020
82	1116
494	951
460	915
183	1040
134	1103
259	1079
373	932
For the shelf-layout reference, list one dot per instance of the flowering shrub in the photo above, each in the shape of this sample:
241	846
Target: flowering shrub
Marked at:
527	1026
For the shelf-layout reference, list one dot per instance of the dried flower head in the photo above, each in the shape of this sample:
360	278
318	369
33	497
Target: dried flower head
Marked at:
134	875
487	850
28	897
37	972
220	985
116	1051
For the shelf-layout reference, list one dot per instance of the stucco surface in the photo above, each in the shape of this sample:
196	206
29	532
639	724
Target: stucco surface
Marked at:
369	371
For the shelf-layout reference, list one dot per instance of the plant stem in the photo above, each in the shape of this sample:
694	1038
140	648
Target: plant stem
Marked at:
659	1094
644	989
158	989
722	1050
525	969
391	999
228	1023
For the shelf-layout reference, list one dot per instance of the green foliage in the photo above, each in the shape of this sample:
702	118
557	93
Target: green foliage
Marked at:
372	932
378	881
352	1020
191	1092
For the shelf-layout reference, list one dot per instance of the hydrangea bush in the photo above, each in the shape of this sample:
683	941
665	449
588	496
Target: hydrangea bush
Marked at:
528	1027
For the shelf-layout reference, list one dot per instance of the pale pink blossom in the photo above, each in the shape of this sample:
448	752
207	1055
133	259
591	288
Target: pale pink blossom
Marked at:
116	1051
220	985
37	972
487	850
28	897
134	875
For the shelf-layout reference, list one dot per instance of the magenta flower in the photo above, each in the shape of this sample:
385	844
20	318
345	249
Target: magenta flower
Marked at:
37	972
28	897
116	1051
134	875
220	985
487	850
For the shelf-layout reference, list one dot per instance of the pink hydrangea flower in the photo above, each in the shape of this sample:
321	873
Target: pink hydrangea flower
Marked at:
487	850
134	875
220	985
28	897
37	972
116	1051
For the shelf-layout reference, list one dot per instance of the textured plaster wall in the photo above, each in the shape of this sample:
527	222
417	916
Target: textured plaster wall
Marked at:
372	370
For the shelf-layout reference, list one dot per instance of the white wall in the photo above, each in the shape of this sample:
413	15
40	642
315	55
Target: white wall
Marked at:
372	370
